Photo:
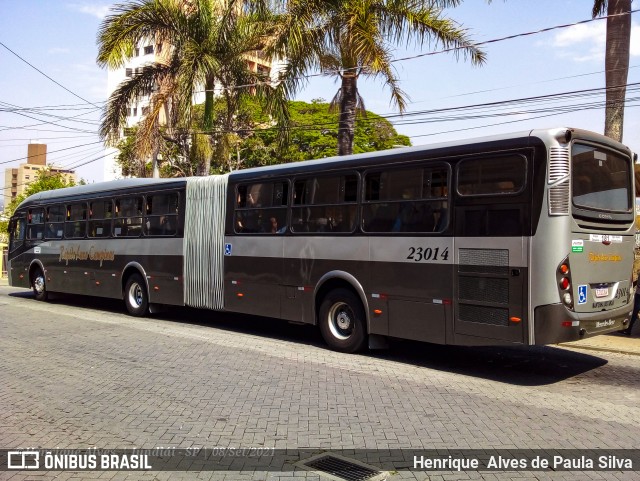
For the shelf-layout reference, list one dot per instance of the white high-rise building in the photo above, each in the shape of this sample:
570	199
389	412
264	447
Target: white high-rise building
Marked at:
149	52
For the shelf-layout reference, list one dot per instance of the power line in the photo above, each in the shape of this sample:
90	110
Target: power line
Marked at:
51	152
41	72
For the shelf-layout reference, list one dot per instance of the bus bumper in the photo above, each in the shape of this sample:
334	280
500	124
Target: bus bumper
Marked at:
554	323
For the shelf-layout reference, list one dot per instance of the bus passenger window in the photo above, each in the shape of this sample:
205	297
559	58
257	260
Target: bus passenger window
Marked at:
100	214
497	175
17	228
406	200
128	217
35	221
261	208
325	204
75	225
55	222
161	215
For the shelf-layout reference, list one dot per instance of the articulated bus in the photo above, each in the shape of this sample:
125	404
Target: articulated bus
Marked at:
520	239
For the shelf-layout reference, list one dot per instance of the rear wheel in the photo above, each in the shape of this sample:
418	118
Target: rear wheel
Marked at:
342	321
39	285
135	296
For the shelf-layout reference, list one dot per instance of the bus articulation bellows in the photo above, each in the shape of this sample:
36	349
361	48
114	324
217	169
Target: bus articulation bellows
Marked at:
515	239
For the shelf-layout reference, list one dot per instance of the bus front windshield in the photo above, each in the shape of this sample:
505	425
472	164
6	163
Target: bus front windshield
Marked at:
601	179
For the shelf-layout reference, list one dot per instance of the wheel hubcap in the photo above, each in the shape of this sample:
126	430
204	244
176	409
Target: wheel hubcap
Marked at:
135	295
340	320
38	284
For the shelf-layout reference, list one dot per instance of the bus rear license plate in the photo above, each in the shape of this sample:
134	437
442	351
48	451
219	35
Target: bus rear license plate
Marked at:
602	292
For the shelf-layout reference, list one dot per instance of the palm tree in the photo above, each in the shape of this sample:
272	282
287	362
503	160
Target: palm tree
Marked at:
206	44
354	38
616	61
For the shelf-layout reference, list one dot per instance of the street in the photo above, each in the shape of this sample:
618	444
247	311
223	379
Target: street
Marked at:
78	372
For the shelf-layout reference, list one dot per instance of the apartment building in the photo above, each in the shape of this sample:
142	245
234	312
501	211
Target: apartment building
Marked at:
16	180
149	52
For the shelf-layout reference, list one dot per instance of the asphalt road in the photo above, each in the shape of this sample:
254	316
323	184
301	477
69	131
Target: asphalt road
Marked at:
78	372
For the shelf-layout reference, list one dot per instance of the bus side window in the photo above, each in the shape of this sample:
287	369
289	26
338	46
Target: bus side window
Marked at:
406	200
488	189
55	217
17	229
325	204
35	221
75	226
261	208
100	215
128	217
161	217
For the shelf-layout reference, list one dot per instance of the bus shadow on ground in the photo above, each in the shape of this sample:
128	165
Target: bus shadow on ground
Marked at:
525	366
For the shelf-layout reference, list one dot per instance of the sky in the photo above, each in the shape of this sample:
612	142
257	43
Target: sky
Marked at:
58	39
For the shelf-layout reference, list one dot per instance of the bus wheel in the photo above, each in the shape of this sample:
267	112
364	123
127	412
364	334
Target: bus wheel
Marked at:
135	296
342	321
39	285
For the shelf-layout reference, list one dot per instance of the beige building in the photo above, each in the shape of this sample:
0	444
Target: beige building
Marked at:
17	179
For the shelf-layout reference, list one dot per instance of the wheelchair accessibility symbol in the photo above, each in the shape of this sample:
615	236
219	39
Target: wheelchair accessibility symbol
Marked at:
227	249
582	294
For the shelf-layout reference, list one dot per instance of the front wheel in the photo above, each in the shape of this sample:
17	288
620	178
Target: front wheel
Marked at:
39	285
135	296
342	321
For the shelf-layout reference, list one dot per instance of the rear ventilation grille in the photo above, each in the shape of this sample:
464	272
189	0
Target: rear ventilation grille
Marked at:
559	187
339	468
483	315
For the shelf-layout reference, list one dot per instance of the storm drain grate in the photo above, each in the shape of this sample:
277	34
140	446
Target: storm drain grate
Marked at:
340	468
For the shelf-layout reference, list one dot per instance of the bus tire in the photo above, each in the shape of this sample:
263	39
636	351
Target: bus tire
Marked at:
39	285
135	296
342	321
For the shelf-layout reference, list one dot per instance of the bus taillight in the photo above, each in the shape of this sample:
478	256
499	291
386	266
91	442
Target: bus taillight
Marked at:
563	278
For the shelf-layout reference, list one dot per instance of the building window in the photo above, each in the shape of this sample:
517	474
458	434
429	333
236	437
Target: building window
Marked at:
137	52
145	110
128	72
148	50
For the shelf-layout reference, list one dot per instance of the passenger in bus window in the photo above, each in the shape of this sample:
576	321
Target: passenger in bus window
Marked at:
274	226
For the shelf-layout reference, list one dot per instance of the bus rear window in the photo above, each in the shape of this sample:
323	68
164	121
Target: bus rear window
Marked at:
601	179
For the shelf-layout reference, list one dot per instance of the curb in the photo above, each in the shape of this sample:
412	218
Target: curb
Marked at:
599	349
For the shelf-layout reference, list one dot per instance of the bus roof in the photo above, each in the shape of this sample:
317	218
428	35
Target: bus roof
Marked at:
310	165
97	189
408	153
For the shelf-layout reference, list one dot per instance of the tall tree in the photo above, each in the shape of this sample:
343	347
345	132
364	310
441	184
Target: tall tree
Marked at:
354	38
206	41
616	61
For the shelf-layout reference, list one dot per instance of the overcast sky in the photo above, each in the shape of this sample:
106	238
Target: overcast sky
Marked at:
59	38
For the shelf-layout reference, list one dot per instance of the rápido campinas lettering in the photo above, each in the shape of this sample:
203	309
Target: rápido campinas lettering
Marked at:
593	257
76	253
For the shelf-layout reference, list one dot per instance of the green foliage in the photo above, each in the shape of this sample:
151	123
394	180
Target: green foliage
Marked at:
254	140
313	134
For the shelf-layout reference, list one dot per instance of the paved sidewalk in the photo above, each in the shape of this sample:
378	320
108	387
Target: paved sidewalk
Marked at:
614	342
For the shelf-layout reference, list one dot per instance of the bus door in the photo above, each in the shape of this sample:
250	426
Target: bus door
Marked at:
491	250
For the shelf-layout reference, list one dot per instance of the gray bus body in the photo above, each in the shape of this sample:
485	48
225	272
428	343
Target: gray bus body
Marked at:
514	239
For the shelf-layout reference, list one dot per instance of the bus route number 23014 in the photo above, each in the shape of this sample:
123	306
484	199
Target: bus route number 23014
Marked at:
420	254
